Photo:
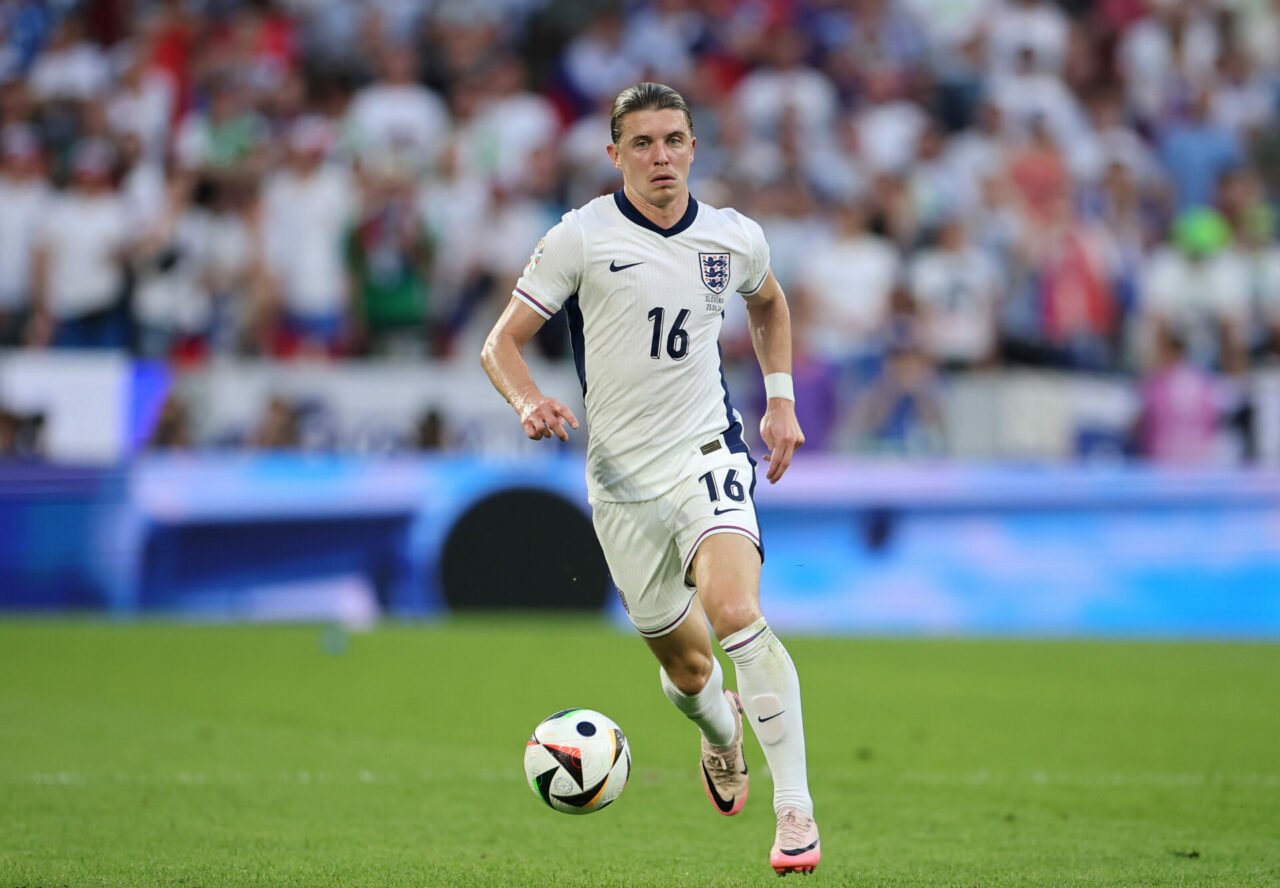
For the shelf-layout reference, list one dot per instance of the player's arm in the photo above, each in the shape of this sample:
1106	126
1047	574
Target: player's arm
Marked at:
503	359
769	320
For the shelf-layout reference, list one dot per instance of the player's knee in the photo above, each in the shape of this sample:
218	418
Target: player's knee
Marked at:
733	617
689	671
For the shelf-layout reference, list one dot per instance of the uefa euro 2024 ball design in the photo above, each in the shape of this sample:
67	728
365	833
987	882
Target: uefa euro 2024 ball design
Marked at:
577	761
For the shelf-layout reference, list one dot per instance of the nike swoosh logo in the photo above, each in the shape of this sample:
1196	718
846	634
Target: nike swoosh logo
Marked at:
723	511
724	806
794	852
614	266
762	719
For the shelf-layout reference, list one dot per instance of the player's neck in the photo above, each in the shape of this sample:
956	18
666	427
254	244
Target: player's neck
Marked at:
663	217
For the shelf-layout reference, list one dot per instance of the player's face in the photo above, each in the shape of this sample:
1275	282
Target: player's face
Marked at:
654	153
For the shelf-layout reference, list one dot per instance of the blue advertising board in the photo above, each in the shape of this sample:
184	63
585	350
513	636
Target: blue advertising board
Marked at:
851	547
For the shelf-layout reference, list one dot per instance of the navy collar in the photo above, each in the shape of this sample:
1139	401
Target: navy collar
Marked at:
628	209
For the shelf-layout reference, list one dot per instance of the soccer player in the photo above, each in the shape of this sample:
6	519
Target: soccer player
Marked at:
643	276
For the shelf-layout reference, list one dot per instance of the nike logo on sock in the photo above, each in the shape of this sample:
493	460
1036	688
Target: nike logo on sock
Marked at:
762	719
614	266
723	511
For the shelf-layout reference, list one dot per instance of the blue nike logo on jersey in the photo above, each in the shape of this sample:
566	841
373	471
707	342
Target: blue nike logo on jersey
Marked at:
723	511
614	266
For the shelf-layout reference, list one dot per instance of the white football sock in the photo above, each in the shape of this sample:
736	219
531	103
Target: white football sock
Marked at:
770	692
709	709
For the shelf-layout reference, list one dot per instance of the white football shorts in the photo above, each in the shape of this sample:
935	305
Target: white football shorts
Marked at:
650	545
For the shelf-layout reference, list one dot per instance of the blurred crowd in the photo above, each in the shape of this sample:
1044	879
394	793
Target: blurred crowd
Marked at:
946	185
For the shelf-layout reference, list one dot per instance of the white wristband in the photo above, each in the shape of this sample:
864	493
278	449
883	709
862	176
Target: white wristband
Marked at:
779	385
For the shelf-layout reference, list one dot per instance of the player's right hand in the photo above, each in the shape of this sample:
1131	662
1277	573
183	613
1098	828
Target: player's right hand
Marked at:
543	417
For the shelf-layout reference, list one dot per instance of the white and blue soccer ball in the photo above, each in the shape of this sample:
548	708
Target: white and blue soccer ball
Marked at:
577	761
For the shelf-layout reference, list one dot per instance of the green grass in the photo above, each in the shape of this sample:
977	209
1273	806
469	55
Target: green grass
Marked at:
156	754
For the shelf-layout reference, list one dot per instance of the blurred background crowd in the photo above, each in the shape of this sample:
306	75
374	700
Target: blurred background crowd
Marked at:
949	188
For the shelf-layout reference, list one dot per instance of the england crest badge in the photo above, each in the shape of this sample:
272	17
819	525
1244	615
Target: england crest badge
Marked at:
715	270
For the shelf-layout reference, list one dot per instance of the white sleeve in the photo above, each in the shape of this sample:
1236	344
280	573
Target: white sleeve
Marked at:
554	271
757	258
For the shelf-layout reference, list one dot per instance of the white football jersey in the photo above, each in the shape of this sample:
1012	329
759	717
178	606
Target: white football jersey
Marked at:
645	305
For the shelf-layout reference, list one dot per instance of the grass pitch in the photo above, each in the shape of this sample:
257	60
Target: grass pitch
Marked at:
156	754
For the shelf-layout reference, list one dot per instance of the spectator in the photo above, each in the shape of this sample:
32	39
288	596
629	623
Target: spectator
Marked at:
956	289
1166	56
663	36
1029	99
389	258
1080	309
172	430
1037	29
786	84
430	434
847	284
901	411
1195	152
596	62
1198	291
509	122
171	300
142	103
71	68
889	123
1245	97
279	428
308	207
396	119
1039	175
234	269
21	435
227	140
82	246
1258	249
24	195
1178	422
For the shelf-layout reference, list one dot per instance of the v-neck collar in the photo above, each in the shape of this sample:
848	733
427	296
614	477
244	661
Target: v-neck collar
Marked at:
628	209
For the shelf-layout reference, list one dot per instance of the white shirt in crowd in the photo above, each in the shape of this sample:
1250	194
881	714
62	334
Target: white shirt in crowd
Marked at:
407	120
764	95
22	206
145	194
1151	68
888	134
957	293
1022	98
597	64
497	142
305	221
850	283
76	72
663	40
586	163
144	112
1187	291
174	297
1040	27
949	23
85	237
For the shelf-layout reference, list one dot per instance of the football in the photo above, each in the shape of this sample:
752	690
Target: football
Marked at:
577	761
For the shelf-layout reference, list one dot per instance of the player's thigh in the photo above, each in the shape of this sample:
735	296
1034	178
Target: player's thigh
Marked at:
719	540
645	565
726	572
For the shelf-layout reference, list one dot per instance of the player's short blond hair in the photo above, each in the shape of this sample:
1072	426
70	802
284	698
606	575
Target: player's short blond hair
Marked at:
646	97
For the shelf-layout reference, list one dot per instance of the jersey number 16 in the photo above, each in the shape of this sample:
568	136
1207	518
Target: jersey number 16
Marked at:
677	337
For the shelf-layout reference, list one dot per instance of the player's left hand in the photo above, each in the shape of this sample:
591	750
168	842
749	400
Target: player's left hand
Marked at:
780	431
